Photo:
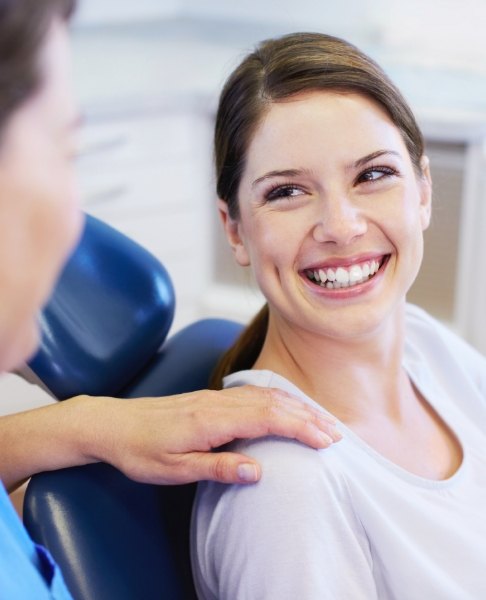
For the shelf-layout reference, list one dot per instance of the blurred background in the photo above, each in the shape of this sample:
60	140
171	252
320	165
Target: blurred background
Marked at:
148	75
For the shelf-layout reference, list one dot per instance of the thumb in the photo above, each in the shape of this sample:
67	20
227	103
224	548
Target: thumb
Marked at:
227	467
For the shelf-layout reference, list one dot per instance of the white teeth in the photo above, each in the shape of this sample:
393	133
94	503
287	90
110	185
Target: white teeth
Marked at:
344	277
355	274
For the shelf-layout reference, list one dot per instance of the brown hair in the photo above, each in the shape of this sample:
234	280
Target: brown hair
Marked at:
24	25
278	69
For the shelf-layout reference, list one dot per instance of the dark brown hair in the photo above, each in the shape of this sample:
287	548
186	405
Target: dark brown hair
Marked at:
279	69
24	25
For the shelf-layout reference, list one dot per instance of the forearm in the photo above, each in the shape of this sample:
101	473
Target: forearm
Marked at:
47	438
156	440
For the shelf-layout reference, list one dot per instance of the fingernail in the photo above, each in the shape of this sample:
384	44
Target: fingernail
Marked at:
327	439
336	435
247	472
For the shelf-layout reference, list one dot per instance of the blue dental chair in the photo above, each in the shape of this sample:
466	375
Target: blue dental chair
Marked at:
103	333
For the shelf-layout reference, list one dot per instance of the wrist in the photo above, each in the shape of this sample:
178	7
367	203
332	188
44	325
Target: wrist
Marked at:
88	424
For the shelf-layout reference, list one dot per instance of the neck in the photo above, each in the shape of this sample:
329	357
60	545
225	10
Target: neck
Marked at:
352	378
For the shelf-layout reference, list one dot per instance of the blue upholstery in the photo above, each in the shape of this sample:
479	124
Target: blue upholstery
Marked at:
114	538
111	310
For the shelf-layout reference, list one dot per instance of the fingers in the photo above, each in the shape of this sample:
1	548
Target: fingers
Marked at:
290	417
269	411
169	440
224	467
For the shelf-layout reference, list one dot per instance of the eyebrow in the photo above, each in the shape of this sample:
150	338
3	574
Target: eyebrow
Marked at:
284	173
369	157
296	172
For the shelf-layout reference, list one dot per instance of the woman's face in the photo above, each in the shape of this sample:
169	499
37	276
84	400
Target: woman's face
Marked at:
39	215
332	213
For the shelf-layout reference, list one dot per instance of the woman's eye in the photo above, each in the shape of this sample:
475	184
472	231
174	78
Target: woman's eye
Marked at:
375	174
283	191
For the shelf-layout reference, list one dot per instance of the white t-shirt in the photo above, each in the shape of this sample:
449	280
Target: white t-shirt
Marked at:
346	523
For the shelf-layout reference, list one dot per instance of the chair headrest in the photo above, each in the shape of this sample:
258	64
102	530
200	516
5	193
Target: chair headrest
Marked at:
110	312
186	360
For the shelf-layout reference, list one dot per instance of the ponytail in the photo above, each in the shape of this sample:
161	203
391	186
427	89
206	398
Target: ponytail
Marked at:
244	352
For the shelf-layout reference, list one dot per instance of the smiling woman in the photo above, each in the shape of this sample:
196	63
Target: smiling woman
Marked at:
325	192
361	207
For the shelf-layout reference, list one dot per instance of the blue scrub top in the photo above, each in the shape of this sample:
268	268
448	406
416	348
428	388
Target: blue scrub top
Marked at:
27	571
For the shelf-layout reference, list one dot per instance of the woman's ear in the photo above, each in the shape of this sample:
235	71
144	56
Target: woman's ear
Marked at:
425	184
233	234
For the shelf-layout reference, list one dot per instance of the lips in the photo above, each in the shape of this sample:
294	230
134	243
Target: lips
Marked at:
345	276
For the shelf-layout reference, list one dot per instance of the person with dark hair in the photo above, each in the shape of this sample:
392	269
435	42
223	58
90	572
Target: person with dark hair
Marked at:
40	222
325	191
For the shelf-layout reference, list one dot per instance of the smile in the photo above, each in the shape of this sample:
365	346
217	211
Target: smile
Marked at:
345	277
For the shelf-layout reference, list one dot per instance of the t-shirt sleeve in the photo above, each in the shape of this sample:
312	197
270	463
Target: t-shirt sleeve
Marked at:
292	535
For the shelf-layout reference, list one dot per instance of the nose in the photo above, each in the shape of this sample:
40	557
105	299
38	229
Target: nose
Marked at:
339	221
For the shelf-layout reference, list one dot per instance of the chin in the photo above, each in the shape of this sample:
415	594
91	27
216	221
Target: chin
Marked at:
359	321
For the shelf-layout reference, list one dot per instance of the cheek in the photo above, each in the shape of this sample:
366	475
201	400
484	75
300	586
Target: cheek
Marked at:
39	228
56	232
264	242
401	220
58	208
274	248
70	217
404	229
23	276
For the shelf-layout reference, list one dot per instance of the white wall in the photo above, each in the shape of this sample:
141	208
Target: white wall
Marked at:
436	33
98	12
341	17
